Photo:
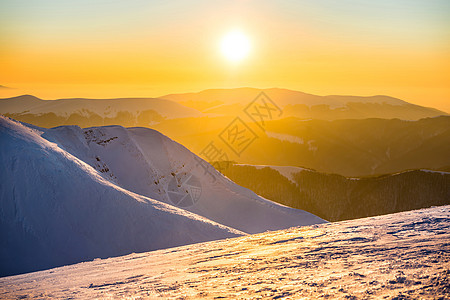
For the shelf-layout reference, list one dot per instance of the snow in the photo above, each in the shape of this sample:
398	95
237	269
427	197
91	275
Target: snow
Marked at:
397	256
285	137
71	195
436	172
292	139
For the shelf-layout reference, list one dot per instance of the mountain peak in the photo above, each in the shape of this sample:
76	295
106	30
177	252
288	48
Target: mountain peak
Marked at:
25	97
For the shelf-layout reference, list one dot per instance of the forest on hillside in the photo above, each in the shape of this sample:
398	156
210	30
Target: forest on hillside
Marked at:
335	197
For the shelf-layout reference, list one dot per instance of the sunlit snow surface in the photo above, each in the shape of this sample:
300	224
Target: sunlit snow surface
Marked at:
398	256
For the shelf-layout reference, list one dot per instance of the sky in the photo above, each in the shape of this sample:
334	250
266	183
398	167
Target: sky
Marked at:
141	48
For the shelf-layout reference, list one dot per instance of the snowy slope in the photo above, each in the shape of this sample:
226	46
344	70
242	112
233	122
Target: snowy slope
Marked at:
399	256
146	162
55	209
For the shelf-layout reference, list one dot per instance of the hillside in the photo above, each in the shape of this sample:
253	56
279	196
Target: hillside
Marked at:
350	148
399	256
335	197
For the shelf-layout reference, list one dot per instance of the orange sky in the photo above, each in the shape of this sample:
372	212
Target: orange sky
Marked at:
57	49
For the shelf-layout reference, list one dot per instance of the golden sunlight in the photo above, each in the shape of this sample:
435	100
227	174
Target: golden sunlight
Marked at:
235	46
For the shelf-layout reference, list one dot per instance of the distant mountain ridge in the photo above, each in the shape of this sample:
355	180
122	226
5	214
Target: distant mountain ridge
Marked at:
283	96
93	112
213	102
303	105
346	139
102	107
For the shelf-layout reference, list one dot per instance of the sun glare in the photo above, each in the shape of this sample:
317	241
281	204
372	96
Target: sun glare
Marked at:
235	46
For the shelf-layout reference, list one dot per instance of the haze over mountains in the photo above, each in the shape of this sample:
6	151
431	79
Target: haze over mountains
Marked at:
210	103
93	112
357	147
303	105
71	194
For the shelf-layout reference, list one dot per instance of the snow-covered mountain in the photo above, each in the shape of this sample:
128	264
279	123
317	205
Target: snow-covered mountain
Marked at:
398	256
148	163
55	209
70	194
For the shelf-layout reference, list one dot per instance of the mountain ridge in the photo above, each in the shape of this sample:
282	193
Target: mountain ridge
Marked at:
102	107
283	97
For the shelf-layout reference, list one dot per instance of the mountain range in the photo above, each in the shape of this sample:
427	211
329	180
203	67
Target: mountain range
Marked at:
304	105
208	103
93	112
408	137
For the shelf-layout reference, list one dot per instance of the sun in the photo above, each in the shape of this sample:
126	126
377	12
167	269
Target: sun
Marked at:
235	46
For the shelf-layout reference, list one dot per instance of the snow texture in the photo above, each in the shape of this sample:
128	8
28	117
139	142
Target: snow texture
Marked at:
397	256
